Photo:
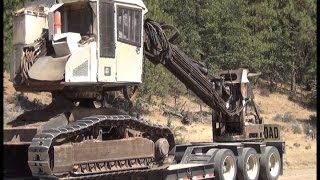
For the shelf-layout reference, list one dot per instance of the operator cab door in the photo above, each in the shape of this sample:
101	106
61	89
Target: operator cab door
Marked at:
129	46
106	61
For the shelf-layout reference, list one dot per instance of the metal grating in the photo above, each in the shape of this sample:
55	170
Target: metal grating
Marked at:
81	70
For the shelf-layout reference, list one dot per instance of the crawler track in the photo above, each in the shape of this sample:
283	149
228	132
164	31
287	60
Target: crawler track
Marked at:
40	157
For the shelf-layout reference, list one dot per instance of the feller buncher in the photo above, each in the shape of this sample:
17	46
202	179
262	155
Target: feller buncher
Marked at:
82	51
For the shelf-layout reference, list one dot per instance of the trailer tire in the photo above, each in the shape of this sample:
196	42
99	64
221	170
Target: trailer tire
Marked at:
212	152
248	165
270	163
225	166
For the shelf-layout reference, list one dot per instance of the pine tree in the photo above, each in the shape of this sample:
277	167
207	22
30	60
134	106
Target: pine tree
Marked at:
9	8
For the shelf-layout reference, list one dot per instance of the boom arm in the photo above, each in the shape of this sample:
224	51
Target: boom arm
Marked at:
159	50
228	93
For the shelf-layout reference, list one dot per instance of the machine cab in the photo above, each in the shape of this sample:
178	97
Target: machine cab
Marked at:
86	42
120	41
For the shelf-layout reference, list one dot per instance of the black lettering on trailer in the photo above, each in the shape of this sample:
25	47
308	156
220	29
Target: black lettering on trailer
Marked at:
266	132
271	132
276	132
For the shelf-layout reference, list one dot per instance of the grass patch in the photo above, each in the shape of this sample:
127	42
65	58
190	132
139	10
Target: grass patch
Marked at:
284	128
177	131
296	129
287	118
265	92
313	118
307	128
277	117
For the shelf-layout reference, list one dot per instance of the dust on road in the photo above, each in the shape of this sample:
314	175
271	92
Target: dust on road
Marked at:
298	174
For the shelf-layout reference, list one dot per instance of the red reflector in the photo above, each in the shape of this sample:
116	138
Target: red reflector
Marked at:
57	22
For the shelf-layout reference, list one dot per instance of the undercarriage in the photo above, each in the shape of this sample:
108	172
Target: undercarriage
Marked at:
75	141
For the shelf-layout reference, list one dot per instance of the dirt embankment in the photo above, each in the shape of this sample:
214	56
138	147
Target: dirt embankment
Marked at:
15	103
299	173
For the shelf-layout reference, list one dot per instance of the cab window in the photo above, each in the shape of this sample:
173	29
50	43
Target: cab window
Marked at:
129	25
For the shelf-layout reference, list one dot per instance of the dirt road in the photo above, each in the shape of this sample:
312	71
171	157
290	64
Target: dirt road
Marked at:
298	174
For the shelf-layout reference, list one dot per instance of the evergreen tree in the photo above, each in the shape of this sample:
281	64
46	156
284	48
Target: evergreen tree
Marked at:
9	8
277	38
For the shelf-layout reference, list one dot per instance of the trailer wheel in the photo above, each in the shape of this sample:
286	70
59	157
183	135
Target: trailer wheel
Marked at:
212	152
225	167
248	165
270	164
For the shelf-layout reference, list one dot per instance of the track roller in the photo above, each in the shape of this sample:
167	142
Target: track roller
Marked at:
162	148
248	165
270	163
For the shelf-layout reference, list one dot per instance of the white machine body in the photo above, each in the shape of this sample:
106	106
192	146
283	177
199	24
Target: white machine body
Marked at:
97	41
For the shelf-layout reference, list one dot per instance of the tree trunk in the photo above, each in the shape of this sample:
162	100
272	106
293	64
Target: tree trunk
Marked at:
270	82
293	80
201	118
175	100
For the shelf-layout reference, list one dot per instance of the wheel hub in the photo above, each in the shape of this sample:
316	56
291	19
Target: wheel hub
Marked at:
228	167
274	165
252	166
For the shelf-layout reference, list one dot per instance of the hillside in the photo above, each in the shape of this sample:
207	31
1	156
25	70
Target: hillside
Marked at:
274	108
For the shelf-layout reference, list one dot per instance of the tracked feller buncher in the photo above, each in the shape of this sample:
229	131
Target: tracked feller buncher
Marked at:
82	51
